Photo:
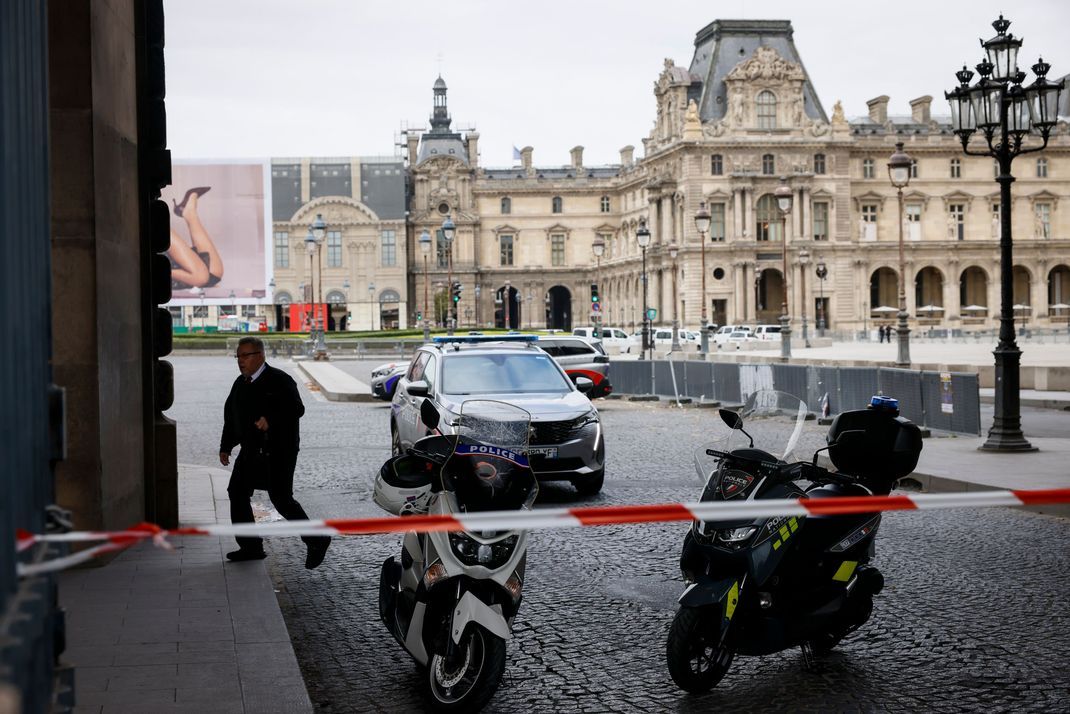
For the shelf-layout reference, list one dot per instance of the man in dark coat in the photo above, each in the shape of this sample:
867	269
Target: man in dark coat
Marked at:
261	414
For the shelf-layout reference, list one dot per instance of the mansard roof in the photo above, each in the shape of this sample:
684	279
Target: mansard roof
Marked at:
723	44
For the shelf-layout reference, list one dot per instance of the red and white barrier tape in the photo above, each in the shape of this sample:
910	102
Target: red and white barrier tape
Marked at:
542	519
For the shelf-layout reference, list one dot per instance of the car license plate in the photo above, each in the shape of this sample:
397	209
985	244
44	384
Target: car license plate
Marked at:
549	452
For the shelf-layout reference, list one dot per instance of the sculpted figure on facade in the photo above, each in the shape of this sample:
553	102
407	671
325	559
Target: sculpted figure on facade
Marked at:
838	117
797	107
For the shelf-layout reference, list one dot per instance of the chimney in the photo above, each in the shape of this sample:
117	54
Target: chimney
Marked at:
919	109
577	157
627	155
413	141
878	109
473	148
525	159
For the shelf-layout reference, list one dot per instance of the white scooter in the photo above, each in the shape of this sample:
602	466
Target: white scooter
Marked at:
451	600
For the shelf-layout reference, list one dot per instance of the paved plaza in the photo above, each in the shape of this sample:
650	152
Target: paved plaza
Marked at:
976	602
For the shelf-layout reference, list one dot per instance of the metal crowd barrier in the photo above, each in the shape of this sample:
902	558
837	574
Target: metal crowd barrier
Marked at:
947	401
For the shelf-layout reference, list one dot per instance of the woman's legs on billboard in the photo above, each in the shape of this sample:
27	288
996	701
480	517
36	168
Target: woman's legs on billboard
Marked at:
202	242
188	268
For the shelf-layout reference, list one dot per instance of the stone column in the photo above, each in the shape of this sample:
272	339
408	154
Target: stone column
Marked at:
748	218
804	214
737	213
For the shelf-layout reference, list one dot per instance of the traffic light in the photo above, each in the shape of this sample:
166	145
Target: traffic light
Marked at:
595	304
456	292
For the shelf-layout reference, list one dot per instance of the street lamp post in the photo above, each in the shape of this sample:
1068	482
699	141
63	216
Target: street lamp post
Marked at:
783	203
345	297
822	273
477	291
1005	112
313	241
673	252
702	222
899	173
599	248
425	248
642	235
507	301
448	231
804	260
371	305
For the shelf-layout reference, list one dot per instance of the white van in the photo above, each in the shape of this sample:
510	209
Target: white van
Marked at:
767	333
610	336
725	331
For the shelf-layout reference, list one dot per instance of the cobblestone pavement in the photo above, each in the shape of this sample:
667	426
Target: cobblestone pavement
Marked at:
975	615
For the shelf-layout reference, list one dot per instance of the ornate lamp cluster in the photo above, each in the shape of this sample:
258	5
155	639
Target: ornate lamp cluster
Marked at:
981	106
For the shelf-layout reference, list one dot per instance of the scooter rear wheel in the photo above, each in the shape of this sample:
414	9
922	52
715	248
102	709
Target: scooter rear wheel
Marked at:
697	660
467	680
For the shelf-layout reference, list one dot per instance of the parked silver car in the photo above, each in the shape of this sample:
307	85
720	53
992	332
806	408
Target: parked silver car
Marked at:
566	442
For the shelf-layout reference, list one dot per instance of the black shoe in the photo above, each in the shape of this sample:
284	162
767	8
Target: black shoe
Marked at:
246	554
317	549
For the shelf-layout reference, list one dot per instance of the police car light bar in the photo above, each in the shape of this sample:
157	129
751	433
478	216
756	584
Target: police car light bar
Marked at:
475	339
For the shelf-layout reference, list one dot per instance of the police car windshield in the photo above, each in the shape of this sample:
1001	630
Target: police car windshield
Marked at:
504	373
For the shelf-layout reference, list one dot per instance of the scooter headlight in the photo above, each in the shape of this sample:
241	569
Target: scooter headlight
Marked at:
736	536
490	555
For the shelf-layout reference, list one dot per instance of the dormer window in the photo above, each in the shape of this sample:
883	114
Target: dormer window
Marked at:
765	104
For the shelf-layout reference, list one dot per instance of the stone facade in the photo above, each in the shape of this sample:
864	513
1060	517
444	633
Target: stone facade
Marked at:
727	129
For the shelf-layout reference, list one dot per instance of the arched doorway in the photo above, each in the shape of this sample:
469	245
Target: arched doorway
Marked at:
769	296
336	311
929	293
510	306
884	292
1059	291
1023	303
559	308
282	311
389	310
973	292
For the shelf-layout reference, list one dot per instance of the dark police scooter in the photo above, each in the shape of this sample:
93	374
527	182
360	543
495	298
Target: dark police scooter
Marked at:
759	586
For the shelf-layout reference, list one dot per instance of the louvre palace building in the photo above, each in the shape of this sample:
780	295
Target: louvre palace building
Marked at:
741	119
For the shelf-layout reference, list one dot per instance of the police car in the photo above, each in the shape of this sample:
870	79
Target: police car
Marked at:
566	442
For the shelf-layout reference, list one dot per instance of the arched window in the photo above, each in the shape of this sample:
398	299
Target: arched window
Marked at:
389	296
507	205
335	297
768	164
766	106
767	223
556	204
283	298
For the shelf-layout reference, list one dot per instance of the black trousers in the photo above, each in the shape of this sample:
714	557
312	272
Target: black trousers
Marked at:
280	481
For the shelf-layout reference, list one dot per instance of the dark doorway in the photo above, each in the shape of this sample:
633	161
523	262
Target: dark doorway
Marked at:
507	304
559	308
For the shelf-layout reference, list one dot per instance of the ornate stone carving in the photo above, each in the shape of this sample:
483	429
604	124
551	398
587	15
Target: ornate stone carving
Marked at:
767	64
838	117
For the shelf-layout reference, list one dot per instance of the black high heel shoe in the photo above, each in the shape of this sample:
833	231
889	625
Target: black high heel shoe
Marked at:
200	191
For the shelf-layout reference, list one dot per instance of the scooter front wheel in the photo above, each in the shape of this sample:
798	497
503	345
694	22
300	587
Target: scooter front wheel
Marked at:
697	660
468	679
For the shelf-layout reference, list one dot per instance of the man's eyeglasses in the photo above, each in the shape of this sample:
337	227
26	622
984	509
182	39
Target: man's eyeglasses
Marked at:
241	355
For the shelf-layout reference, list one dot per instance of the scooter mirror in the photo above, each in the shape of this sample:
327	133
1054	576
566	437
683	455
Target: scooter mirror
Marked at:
428	414
731	418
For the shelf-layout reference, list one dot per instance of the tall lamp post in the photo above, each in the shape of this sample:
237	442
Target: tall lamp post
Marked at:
822	272
345	296
477	290
702	223
783	204
599	248
316	339
507	302
1005	112
642	236
371	305
673	252
448	231
425	248
804	261
899	174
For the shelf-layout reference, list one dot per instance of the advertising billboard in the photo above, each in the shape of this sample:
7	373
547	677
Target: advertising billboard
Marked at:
219	214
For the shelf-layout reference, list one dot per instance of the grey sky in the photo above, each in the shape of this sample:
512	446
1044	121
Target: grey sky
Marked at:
260	78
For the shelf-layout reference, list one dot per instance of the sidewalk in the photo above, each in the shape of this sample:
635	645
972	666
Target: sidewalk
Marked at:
1032	398
181	631
955	464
